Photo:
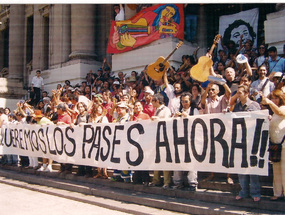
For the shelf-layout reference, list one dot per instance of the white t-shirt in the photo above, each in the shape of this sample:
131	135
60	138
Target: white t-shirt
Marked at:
121	15
277	127
38	81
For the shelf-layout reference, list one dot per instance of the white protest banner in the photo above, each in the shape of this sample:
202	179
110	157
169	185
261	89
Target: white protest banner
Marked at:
229	143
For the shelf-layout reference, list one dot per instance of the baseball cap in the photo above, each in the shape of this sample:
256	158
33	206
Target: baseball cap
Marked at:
122	105
149	91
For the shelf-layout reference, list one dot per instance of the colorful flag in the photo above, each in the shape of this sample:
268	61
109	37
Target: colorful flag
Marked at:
150	24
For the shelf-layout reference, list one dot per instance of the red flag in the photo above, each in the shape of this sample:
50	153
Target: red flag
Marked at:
150	24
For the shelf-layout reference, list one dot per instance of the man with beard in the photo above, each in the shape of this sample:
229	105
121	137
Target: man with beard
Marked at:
173	93
262	86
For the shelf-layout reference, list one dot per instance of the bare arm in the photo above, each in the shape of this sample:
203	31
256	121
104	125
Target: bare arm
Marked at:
165	80
228	91
248	68
277	110
204	96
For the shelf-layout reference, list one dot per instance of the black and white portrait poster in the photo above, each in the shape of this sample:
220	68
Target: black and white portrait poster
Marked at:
245	23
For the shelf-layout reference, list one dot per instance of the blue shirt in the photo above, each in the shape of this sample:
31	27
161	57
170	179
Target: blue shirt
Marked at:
277	65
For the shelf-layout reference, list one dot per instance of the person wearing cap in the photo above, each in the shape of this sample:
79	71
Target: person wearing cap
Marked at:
121	115
115	88
276	63
161	112
277	79
130	83
148	107
42	120
99	73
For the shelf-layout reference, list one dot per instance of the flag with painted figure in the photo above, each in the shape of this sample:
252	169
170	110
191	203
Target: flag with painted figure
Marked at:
150	24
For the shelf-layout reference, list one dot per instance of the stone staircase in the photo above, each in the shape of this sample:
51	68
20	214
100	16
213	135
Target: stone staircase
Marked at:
211	197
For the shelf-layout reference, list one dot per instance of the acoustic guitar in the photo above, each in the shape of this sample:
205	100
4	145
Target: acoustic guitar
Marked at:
158	68
201	70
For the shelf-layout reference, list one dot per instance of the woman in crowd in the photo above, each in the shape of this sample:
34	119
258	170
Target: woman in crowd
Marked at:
140	177
81	118
196	95
98	115
276	102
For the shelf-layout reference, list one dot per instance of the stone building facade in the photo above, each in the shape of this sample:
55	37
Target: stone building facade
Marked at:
66	41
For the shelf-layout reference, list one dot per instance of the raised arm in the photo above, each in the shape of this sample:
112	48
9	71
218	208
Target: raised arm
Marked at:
277	110
204	96
227	91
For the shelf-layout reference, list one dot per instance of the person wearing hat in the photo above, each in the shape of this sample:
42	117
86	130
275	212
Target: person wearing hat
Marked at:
276	63
121	115
130	83
277	79
148	107
42	120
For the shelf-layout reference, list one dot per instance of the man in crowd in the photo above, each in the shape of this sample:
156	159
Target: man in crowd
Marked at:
249	183
37	86
161	112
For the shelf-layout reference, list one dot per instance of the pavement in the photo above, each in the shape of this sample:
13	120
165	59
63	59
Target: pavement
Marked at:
131	197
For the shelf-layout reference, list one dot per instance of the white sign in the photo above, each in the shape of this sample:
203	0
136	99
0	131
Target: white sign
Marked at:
229	143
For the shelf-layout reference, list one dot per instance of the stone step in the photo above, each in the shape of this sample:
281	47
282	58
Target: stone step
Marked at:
189	202
218	183
223	202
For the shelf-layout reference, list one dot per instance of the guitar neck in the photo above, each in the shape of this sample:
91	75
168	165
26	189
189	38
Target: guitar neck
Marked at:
166	59
212	49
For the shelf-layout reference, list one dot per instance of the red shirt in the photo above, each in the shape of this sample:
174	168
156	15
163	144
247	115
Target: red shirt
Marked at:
149	109
139	116
108	107
64	118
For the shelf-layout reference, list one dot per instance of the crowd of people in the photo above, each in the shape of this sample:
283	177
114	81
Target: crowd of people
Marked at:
247	82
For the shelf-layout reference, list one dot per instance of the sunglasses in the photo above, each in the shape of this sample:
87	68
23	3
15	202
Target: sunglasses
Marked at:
261	47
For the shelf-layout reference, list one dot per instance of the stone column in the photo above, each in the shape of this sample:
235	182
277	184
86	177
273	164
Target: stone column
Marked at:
82	31
1	50
37	38
16	41
60	33
202	27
